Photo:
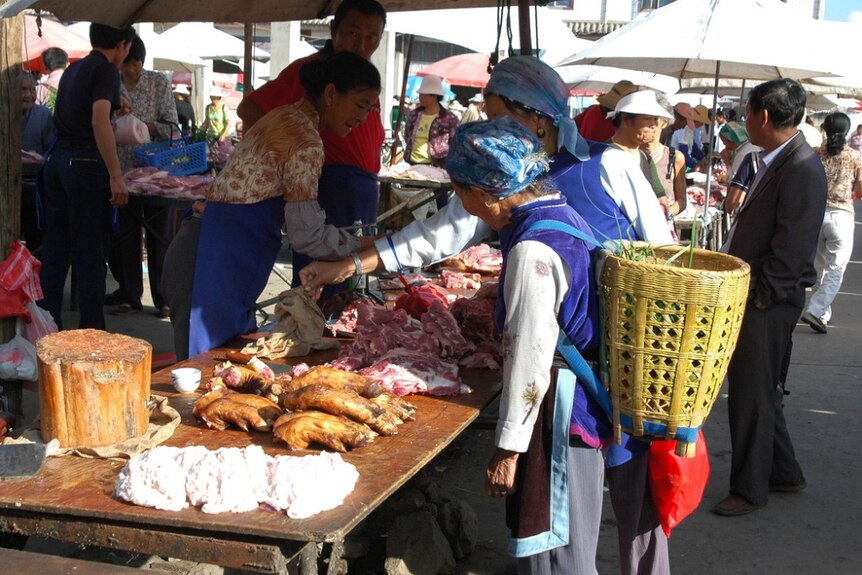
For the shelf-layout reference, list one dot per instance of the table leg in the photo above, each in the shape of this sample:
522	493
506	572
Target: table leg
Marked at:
335	557
308	559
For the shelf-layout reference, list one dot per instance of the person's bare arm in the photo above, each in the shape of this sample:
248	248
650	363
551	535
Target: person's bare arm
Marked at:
249	113
104	134
318	274
679	194
857	191
734	198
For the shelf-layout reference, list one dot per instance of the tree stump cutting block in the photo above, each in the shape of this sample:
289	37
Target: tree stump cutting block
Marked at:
93	387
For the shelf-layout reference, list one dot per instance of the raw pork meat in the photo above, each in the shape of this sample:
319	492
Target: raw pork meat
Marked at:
441	325
233	479
482	258
229	479
460	280
334	480
403	372
475	320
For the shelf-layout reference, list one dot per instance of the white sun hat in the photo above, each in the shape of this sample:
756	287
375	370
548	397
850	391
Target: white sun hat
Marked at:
182	89
432	85
642	102
216	92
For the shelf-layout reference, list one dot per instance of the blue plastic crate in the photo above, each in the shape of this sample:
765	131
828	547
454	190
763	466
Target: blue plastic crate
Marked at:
180	160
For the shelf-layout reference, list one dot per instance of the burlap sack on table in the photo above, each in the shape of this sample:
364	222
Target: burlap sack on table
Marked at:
164	419
298	330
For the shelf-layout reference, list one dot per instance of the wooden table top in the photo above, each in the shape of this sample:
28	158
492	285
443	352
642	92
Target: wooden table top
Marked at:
75	489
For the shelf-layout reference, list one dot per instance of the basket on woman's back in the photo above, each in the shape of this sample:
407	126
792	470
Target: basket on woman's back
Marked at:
670	332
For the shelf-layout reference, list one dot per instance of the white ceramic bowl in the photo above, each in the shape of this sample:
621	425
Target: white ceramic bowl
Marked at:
186	379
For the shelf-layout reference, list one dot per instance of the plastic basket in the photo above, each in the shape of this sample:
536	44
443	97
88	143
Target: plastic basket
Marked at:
174	157
670	332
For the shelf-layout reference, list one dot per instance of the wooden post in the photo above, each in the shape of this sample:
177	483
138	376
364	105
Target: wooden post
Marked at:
248	50
524	27
11	38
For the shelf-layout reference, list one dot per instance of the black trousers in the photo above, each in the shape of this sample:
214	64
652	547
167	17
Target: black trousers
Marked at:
762	450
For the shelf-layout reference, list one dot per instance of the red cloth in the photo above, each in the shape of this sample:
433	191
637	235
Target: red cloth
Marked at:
360	148
593	125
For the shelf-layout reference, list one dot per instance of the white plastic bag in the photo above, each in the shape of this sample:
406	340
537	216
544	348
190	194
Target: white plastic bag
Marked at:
18	357
41	324
130	130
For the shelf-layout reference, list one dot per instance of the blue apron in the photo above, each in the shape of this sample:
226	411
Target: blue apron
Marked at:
349	196
236	251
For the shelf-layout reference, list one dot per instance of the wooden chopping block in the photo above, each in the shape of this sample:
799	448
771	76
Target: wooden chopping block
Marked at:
93	387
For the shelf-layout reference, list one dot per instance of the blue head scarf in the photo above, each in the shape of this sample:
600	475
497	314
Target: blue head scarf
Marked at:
500	156
530	82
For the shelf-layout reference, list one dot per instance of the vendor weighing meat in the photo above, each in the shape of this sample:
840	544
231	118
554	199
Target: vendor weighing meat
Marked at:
270	183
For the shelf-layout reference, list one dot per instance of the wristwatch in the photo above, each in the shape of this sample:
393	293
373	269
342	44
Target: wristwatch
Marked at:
357	263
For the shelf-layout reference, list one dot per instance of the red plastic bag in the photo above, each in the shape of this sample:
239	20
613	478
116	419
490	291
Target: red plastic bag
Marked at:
419	299
13	303
677	483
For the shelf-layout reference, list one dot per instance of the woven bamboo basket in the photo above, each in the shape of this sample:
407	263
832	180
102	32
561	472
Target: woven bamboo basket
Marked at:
670	332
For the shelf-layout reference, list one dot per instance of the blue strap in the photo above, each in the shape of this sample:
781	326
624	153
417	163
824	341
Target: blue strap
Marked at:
565	228
567	349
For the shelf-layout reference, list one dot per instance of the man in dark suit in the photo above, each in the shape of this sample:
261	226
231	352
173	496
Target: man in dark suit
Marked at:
776	232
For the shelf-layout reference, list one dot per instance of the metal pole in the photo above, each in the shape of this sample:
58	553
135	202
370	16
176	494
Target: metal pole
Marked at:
408	57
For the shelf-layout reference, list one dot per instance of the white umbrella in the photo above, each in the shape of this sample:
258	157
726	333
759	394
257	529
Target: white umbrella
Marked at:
205	41
476	30
603	78
751	39
166	55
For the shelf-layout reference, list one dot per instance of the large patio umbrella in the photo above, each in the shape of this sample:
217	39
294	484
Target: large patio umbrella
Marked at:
747	39
460	70
53	34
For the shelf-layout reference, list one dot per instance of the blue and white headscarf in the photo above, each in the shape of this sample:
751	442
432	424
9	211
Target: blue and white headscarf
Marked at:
528	81
499	156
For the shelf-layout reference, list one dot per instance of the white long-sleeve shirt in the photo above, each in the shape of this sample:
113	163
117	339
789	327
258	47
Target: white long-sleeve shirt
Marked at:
452	229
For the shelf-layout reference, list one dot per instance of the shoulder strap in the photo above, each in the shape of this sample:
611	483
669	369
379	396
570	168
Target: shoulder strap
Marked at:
565	228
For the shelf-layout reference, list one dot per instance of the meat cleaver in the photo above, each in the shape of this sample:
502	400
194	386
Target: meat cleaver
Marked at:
21	459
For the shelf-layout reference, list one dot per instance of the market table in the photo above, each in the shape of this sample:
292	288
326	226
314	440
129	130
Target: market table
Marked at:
71	498
431	190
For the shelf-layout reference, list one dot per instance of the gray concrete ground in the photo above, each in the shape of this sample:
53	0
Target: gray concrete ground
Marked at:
816	531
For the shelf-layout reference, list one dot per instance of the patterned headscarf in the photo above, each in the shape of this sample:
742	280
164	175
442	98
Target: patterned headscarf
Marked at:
734	132
533	84
500	156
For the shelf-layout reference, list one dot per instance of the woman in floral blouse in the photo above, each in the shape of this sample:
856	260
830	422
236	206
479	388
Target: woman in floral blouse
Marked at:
843	167
547	462
270	184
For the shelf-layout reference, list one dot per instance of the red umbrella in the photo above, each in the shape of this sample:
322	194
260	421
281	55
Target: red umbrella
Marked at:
461	70
54	34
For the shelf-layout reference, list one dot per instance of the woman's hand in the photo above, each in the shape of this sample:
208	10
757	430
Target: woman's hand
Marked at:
318	274
500	474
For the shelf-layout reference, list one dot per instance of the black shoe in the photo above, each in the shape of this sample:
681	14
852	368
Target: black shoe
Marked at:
126	309
163	312
788	487
115	298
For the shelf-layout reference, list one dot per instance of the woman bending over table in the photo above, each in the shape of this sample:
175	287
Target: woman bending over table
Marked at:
270	184
552	509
